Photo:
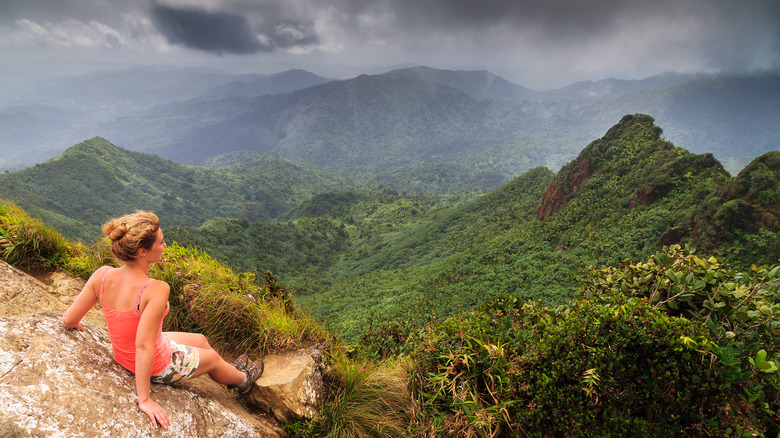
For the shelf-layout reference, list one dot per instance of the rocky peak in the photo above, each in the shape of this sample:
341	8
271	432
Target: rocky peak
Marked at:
625	152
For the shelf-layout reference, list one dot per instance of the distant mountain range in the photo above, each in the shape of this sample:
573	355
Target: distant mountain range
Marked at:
38	121
380	127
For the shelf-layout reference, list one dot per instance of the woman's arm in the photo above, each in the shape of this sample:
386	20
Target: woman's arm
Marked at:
85	301
153	303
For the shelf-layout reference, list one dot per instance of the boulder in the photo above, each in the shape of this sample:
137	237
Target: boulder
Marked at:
291	386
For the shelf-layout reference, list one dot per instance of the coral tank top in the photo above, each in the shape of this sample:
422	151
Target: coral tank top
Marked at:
122	328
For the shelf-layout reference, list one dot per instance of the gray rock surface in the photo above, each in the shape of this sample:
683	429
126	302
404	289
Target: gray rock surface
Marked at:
60	382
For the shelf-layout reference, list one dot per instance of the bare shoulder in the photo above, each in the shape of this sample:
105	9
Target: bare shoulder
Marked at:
93	283
157	289
99	273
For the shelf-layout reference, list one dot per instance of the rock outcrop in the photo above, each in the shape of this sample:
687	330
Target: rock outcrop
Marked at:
291	387
580	169
56	381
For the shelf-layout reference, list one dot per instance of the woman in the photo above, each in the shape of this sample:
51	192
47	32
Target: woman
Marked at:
134	307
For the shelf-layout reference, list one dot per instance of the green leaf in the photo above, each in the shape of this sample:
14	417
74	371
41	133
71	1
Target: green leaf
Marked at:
768	366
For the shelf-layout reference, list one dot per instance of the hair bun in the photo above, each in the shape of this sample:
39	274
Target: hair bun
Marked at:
118	230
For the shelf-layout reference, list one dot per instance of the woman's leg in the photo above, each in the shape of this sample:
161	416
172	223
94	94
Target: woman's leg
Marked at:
211	363
192	339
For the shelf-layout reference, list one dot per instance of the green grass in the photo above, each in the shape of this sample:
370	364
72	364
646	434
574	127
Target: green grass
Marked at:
367	399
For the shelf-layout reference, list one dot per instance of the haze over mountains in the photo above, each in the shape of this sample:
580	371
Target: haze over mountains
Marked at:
373	127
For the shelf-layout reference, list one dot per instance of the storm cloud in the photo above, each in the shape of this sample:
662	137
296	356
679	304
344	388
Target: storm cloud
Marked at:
224	32
208	31
531	42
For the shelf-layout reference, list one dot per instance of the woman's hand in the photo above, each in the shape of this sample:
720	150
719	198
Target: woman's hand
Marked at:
78	326
155	412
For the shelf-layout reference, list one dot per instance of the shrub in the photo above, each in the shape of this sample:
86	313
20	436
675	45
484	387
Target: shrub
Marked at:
581	370
740	311
621	369
27	242
464	376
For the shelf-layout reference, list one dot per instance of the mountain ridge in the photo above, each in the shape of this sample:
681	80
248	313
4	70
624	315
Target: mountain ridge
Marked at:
95	179
376	124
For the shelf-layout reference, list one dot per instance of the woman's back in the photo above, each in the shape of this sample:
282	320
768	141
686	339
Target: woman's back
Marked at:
121	302
121	289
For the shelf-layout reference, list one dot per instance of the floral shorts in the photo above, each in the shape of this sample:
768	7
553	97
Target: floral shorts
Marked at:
184	362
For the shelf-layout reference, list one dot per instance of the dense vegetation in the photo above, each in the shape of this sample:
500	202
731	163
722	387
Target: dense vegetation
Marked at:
363	255
676	345
420	257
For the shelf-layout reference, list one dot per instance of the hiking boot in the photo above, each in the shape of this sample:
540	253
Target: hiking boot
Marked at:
253	372
241	362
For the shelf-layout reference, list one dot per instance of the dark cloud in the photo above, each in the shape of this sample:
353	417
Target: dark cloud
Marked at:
528	39
207	31
226	32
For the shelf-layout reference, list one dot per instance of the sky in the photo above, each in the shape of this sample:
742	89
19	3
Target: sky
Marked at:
539	44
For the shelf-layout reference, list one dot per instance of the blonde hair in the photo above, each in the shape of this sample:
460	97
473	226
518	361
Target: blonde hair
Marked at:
132	232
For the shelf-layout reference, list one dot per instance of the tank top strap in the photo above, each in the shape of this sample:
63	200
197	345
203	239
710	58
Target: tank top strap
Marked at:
137	302
102	282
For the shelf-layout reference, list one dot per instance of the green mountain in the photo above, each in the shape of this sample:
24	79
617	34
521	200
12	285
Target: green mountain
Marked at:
386	128
361	255
95	180
394	256
370	128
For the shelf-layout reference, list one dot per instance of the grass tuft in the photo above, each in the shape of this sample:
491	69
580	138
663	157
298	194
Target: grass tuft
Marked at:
368	399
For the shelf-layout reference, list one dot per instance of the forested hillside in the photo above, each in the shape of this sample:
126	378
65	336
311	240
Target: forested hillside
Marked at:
625	196
360	254
390	256
92	181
